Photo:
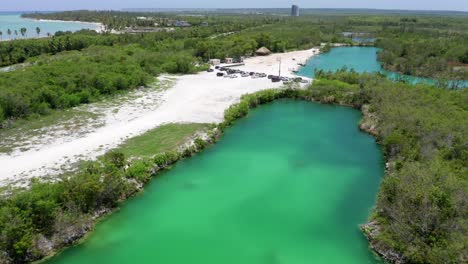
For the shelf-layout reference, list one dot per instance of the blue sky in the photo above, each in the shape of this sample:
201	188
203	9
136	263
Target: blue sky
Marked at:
15	5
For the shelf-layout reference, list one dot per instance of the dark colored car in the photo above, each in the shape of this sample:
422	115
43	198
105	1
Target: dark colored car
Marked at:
275	79
217	67
210	70
220	74
252	73
298	79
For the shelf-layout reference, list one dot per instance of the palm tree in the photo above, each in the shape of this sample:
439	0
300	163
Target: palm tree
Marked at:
9	33
23	31
38	31
16	33
1	35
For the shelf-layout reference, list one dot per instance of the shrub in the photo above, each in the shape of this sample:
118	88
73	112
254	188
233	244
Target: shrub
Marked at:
115	158
165	159
139	170
200	144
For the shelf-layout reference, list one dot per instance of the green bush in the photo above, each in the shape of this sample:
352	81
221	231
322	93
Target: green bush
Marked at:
166	159
140	171
2	114
200	144
115	158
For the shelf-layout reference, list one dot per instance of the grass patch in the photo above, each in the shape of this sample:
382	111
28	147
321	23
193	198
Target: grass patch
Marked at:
161	139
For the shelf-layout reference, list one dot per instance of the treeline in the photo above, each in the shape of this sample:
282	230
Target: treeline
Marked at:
421	208
118	20
79	77
419	55
18	51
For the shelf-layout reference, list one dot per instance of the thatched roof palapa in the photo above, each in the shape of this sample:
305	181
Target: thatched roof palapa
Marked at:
263	51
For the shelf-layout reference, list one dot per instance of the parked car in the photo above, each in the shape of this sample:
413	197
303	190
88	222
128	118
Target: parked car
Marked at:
298	79
210	70
252	73
217	67
275	79
245	74
232	76
262	75
220	74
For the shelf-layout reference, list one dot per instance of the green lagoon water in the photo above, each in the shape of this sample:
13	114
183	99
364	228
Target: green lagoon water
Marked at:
361	59
288	184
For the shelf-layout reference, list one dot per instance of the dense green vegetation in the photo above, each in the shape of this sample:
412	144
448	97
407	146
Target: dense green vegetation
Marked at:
428	57
72	78
421	207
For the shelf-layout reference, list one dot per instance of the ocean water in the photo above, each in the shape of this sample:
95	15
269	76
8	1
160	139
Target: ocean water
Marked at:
13	21
288	184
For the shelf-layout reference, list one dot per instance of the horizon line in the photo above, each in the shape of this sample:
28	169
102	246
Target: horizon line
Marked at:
239	8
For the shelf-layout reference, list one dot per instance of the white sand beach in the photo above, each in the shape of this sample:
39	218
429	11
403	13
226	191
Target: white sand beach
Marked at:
198	98
99	27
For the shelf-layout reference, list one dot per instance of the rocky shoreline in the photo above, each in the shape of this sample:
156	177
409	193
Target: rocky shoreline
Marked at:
372	231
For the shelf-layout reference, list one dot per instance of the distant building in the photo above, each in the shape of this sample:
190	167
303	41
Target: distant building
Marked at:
215	61
295	11
181	23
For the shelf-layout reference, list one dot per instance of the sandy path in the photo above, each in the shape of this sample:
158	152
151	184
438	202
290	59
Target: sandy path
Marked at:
195	98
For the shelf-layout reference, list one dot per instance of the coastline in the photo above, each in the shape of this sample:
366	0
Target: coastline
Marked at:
98	27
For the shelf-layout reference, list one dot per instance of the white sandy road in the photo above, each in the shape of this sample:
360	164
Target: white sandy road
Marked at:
199	98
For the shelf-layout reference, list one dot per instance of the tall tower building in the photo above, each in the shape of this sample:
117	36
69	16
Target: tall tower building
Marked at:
295	10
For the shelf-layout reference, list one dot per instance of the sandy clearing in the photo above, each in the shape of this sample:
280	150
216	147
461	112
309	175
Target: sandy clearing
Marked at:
198	98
